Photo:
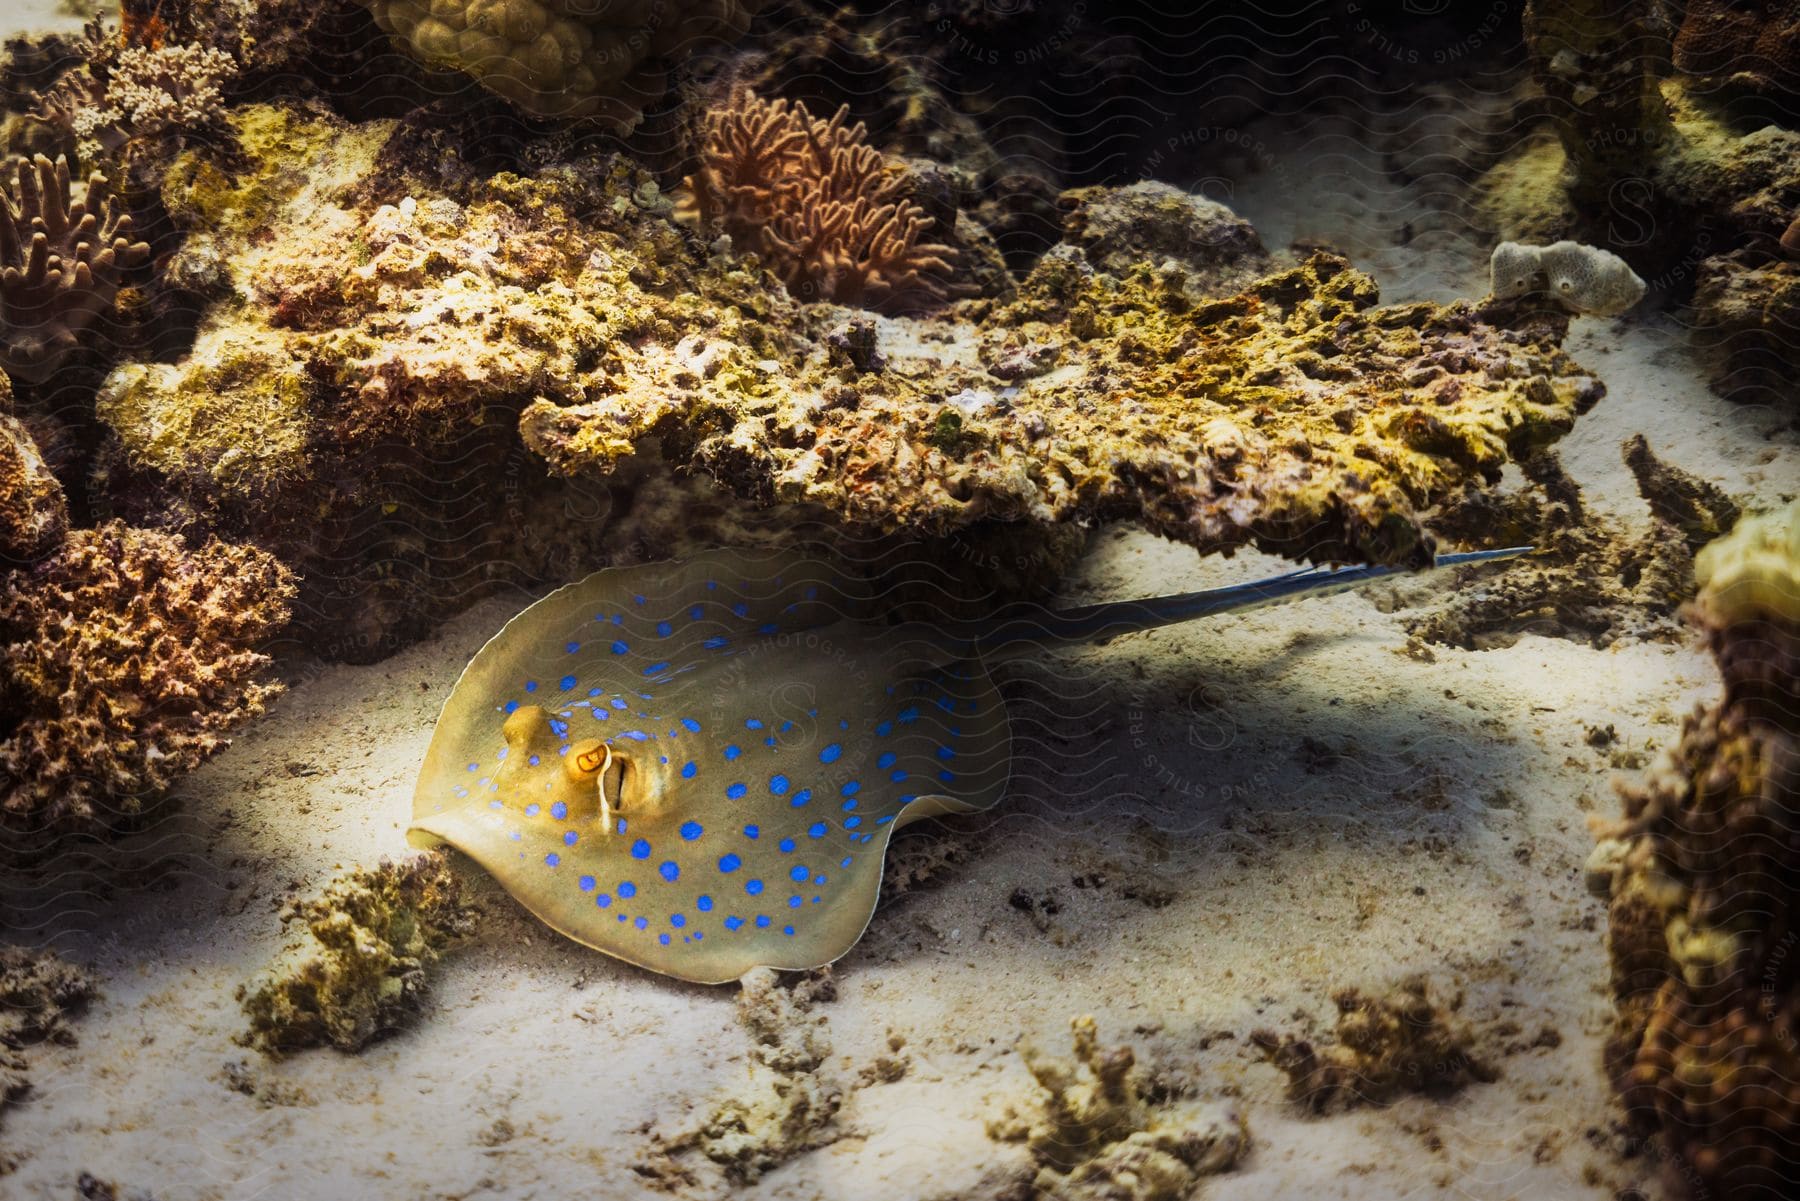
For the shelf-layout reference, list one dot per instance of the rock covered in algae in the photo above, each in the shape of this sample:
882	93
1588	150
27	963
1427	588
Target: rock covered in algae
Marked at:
1400	1040
129	659
34	515
1702	891
1299	415
563	58
1096	1136
39	994
357	969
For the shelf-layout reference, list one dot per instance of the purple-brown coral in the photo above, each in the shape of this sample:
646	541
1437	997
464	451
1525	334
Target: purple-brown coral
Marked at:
127	660
60	264
824	210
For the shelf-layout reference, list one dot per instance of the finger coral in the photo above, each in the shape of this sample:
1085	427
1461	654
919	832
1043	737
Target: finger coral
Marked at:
824	209
356	969
60	264
1703	894
562	58
128	659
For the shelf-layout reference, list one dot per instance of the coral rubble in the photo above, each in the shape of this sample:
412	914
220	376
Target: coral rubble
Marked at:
61	260
357	968
1402	1040
39	993
1702	895
129	658
1095	1135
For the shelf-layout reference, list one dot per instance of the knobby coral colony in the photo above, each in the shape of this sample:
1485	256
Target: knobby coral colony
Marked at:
60	264
1705	911
825	210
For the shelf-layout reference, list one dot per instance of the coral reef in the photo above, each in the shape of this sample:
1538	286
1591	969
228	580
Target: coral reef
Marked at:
563	58
1756	44
34	516
826	211
61	260
172	91
1118	229
1299	414
357	968
1402	1040
1585	279
1700	882
128	660
39	993
789	1103
1096	1136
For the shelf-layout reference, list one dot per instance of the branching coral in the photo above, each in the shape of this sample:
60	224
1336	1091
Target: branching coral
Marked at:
357	970
169	91
1702	930
128	660
60	264
822	207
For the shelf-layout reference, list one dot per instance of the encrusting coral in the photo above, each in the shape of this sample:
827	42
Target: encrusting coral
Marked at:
61	260
1096	1136
563	58
1402	1040
1702	890
128	659
357	967
826	211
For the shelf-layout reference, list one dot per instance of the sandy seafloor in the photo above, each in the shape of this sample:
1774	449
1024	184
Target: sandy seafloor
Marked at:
1307	806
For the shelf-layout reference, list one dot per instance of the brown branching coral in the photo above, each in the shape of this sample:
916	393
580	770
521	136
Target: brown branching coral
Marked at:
1702	932
824	209
60	264
357	968
171	91
128	659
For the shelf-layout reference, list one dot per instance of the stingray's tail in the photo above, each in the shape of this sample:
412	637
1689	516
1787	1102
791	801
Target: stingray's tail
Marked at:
1092	623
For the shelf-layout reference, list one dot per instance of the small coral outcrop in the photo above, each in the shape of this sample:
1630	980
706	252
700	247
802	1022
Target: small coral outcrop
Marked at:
1702	892
1755	43
357	968
39	994
1584	279
61	260
127	660
1401	1040
825	210
34	515
1096	1136
563	58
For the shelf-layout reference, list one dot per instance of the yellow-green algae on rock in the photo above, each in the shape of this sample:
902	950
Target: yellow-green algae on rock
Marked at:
1753	572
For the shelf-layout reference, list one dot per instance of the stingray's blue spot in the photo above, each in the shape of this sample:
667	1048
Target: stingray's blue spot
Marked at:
795	902
947	776
800	798
569	838
786	726
620	647
515	836
812	712
712	585
663	939
530	685
741	609
944	752
688	769
752	831
663	759
695	612
850	823
884	819
670	871
842	724
733	922
909	715
715	642
769	627
799	871
691	830
729	863
635	735
664	629
602	901
532	810
491	804
817	829
788	930
602	715
637	600
883	729
786	845
552	859
703	903
778	784
753	886
677	920
623	918
510	707
691	725
656	669
753	723
474	767
533	760
641	922
566	683
845	861
850	788
735	791
627	889
819	879
558	728
733	751
618	619
899	775
886	761
586	884
762	921
621	825
619	702
909	798
559	811
831	753
640	849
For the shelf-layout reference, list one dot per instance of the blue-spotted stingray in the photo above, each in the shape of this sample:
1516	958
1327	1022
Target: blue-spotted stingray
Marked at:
696	766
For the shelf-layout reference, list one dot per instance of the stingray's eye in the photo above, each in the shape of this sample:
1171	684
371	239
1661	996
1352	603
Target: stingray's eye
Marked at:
1565	286
586	760
1519	283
